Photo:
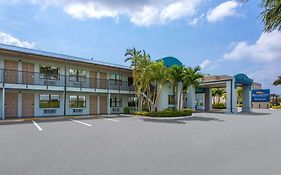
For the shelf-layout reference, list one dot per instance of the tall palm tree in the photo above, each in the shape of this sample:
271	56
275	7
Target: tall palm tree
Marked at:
132	55
175	77
139	60
278	81
191	78
271	15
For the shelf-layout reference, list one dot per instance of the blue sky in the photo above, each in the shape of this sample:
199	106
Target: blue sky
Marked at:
224	37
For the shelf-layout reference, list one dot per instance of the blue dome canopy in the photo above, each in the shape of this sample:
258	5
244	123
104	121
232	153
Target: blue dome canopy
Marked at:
170	61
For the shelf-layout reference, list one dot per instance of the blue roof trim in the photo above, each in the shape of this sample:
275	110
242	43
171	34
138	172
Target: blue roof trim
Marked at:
58	56
243	79
170	61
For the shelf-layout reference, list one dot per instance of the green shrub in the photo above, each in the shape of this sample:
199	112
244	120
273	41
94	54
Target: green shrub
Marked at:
219	106
126	110
276	107
166	113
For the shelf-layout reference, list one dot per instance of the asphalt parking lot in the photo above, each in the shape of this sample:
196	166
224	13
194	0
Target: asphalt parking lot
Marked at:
206	143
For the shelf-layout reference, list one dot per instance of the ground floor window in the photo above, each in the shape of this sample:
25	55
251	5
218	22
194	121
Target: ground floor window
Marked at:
49	101
115	101
171	99
77	101
132	101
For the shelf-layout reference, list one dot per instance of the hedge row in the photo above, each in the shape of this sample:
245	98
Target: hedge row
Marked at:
219	106
276	107
165	113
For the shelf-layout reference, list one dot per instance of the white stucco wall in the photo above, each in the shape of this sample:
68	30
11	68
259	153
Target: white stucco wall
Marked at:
164	98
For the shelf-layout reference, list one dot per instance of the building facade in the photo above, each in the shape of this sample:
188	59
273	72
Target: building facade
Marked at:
36	83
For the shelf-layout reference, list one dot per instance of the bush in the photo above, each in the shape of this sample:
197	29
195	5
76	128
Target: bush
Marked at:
166	113
219	106
276	107
126	110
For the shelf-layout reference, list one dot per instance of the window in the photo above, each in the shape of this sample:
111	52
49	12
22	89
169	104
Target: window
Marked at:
49	101
77	101
132	101
77	75
116	102
171	99
115	79
47	72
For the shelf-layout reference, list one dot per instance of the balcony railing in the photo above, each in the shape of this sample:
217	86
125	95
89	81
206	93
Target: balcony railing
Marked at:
39	79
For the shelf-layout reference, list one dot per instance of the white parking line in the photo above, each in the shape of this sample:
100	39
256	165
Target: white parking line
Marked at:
80	122
38	127
113	120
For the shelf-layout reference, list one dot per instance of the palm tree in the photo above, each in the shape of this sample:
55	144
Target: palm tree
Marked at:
220	92
271	15
132	55
278	81
139	60
175	77
239	95
158	76
191	78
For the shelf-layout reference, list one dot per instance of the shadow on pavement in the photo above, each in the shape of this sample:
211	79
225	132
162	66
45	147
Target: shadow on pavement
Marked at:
183	121
163	121
205	119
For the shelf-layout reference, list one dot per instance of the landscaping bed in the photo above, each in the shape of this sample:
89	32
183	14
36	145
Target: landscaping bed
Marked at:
276	107
165	113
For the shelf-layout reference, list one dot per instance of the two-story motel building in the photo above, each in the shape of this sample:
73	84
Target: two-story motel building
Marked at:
38	83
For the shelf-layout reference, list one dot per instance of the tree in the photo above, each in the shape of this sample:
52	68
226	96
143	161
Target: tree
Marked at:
139	61
239	95
218	92
278	81
271	15
175	77
148	77
191	78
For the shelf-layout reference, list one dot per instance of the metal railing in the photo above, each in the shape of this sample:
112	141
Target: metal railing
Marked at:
40	79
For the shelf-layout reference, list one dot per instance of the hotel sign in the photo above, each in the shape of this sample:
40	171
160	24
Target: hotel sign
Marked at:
261	95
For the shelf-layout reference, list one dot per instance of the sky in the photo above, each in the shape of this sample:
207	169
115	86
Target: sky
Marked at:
223	37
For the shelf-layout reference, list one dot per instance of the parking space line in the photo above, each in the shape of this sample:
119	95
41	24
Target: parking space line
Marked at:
113	120
37	126
80	122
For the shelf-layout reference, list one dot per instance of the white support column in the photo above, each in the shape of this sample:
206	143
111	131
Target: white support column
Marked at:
179	101
191	98
231	100
208	99
246	96
98	106
108	104
3	103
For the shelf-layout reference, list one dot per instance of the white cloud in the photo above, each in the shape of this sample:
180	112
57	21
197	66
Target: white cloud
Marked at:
206	63
266	74
266	48
223	10
11	40
141	12
197	20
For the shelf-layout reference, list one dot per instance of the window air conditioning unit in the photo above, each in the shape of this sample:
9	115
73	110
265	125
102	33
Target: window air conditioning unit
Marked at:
50	111
77	110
